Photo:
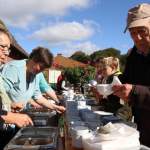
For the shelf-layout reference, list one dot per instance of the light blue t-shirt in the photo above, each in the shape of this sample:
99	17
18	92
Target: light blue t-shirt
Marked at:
14	76
44	86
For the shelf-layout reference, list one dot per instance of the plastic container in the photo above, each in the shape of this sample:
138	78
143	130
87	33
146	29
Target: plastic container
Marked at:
76	134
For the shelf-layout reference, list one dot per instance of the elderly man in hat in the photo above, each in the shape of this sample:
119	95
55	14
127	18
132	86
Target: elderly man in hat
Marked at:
136	77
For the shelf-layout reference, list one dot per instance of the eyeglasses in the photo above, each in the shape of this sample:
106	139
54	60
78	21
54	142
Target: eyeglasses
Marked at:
5	49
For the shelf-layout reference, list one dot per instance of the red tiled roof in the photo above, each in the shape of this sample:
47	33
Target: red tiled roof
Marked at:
64	62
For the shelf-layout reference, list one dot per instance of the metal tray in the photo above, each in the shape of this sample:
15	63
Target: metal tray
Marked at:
39	112
42	117
34	138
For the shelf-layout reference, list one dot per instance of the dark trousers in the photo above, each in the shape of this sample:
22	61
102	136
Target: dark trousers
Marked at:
6	136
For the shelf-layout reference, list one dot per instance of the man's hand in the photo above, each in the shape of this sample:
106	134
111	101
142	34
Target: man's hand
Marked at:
35	104
60	109
17	106
122	91
45	103
20	120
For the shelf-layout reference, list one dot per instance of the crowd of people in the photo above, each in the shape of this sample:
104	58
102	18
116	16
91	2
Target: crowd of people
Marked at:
22	81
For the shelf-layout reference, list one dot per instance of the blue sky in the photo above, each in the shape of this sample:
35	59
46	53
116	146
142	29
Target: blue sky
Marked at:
65	26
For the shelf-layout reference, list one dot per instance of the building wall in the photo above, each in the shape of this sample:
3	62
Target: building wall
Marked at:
53	75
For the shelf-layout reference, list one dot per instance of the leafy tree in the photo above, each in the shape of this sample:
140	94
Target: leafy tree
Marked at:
73	74
88	74
105	53
78	75
81	57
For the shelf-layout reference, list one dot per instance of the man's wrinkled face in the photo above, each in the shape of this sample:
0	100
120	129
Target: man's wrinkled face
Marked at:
4	47
141	38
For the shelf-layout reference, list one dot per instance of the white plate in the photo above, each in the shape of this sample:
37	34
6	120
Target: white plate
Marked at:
103	113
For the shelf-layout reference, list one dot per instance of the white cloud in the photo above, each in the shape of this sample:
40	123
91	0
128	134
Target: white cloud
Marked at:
86	47
21	13
21	22
64	32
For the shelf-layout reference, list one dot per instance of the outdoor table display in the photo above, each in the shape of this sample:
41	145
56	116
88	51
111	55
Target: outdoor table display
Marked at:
81	121
43	136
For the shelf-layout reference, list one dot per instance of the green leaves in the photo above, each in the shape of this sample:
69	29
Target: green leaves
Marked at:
80	75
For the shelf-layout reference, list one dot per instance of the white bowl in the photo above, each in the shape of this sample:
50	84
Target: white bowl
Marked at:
104	89
103	113
93	82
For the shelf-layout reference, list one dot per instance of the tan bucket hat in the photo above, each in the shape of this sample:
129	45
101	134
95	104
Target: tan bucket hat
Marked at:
138	16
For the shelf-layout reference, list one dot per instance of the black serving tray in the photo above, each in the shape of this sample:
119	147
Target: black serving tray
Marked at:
34	138
42	117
